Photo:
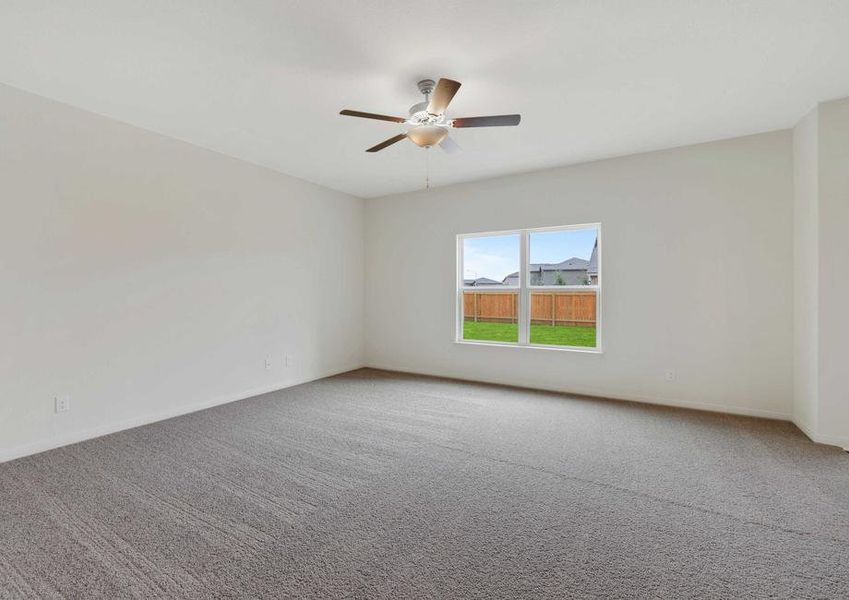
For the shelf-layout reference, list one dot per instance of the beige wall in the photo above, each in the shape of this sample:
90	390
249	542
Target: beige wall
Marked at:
146	277
698	275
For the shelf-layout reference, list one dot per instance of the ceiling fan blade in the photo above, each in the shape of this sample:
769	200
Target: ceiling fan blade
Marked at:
442	95
493	121
387	143
365	115
449	145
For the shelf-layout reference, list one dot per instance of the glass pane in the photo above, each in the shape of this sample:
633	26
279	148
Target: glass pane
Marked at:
566	318
491	316
491	260
490	308
567	257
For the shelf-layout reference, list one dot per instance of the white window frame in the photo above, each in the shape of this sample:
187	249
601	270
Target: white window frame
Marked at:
524	289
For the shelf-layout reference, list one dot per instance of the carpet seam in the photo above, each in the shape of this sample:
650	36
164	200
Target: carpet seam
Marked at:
645	495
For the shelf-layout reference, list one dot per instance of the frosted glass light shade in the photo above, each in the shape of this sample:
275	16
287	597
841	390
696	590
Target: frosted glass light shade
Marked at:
427	135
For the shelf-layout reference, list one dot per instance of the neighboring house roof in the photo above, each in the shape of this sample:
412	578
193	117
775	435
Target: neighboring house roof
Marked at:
592	268
570	264
481	281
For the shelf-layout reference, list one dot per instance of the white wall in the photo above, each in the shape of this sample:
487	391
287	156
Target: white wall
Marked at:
146	277
698	275
806	269
821	222
833	257
821	402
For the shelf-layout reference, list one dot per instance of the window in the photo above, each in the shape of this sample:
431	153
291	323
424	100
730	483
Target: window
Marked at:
531	287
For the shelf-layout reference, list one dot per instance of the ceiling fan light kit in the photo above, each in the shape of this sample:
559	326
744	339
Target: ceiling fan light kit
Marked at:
427	135
429	124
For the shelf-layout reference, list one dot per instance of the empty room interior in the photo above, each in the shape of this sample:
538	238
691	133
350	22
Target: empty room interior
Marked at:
462	299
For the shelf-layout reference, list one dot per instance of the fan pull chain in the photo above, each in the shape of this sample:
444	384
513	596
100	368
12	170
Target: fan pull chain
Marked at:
427	168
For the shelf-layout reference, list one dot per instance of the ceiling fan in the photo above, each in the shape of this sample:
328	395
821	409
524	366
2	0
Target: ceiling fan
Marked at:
429	124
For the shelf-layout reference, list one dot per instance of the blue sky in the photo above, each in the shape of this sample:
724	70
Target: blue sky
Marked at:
497	256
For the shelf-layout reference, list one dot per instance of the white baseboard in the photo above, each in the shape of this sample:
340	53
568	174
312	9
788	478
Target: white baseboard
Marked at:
596	393
73	437
842	442
830	440
7	454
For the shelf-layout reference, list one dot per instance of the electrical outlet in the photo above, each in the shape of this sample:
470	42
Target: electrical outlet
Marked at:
62	403
269	362
670	375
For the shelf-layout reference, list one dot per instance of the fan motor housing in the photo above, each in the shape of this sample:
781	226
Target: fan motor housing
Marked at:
419	109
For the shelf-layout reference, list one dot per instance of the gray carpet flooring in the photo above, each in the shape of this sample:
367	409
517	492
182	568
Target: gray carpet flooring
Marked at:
380	485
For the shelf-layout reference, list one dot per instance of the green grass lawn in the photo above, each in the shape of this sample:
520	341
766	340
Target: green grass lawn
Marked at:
552	335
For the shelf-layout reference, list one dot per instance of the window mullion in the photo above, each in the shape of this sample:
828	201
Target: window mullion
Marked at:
524	295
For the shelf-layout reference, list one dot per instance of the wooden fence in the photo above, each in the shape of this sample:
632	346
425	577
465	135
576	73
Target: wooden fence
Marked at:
547	308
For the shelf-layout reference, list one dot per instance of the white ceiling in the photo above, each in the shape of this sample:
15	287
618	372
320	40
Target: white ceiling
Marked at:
264	80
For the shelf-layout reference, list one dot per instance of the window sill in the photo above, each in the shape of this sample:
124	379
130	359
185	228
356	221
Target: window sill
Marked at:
577	349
